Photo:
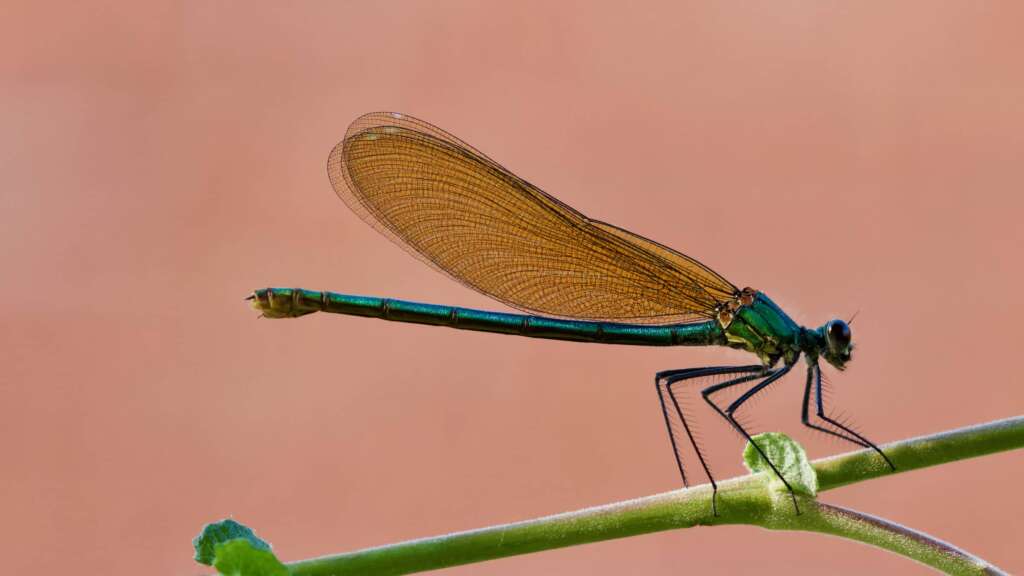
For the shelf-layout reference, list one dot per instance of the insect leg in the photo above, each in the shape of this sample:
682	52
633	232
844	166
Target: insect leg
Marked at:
821	414
805	410
772	376
664	382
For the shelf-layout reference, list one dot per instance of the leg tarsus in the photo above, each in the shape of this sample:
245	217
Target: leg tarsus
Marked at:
821	414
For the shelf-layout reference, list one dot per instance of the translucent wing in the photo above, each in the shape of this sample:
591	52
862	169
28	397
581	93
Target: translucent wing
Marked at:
465	215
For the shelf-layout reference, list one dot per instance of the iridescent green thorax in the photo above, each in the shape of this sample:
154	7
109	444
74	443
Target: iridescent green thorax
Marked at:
756	324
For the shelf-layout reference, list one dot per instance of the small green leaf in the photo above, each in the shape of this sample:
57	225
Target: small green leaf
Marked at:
788	456
239	557
220	532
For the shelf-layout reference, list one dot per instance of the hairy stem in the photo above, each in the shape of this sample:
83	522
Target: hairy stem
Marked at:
742	500
868	529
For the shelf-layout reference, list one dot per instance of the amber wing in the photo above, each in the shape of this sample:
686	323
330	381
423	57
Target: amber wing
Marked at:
467	216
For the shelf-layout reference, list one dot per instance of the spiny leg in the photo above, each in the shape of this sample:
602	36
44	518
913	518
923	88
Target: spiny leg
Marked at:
821	414
672	377
668	377
805	411
668	424
772	376
707	469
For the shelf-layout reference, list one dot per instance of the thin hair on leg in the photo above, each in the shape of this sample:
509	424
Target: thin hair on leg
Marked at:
772	376
666	383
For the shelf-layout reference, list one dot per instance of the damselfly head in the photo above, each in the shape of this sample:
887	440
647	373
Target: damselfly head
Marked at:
838	343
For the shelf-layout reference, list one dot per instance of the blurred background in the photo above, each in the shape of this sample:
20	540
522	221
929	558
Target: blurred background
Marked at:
162	160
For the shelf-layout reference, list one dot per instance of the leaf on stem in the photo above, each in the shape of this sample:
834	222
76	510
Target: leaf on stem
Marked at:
239	557
215	533
788	456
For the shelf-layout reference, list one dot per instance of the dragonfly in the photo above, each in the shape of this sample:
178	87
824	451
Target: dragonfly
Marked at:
576	278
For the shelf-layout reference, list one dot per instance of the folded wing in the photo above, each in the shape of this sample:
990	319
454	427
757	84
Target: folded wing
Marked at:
464	214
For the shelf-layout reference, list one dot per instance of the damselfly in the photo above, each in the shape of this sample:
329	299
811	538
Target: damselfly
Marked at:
579	279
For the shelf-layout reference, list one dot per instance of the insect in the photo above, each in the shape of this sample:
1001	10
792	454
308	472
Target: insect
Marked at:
577	278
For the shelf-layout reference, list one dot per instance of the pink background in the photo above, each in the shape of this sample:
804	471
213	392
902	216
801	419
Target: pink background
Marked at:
160	162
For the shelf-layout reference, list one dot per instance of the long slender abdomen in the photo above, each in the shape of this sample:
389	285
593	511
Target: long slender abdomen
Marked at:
293	302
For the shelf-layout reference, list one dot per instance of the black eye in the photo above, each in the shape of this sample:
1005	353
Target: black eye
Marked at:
839	335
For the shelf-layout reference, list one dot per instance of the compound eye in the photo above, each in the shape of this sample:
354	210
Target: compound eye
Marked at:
839	335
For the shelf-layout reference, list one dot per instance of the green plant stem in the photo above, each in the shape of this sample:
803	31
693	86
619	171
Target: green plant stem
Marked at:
919	546
921	452
742	500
